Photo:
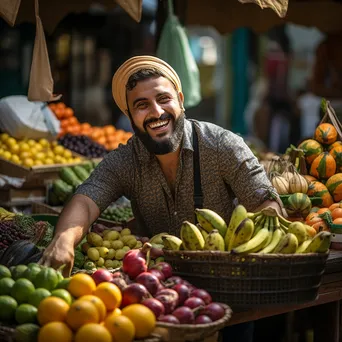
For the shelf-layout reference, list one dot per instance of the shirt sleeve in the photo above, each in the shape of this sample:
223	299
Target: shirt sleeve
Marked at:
110	179
242	171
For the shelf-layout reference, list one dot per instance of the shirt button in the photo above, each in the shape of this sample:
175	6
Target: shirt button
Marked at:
175	213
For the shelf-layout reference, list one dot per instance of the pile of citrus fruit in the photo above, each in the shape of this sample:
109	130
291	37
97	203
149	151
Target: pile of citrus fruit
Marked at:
29	152
47	308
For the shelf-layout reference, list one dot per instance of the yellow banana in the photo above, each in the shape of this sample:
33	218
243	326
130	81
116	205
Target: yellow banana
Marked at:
320	243
214	241
301	248
297	228
238	215
255	244
243	233
210	220
158	238
203	231
172	242
287	245
283	221
192	239
276	237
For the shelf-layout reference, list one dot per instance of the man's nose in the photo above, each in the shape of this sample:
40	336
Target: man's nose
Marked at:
156	110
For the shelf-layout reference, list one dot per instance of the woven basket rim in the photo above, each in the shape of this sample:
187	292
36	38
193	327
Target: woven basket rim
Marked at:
199	327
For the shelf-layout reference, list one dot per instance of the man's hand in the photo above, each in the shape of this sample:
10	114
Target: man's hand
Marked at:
60	252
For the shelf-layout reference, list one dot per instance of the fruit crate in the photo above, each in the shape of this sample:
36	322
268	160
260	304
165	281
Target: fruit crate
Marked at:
252	280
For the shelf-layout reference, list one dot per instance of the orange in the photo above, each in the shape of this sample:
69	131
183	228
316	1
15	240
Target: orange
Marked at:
323	210
110	295
81	284
68	112
81	312
93	332
336	213
311	216
338	220
120	327
52	309
101	308
335	205
115	312
142	317
55	332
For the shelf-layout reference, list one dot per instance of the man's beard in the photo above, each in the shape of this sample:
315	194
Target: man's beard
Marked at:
168	145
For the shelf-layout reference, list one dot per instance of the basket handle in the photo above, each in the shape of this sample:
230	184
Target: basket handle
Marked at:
331	115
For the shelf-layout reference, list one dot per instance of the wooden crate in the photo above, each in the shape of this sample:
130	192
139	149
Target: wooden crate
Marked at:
14	197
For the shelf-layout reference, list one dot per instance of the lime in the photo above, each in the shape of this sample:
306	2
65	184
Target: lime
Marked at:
22	290
47	278
89	265
4	272
18	271
31	273
8	306
37	296
60	276
6	285
63	294
26	313
63	284
33	264
27	332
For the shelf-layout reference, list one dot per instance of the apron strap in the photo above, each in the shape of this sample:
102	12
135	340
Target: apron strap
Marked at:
198	195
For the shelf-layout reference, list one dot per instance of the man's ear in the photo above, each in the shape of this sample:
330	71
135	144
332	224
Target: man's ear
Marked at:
181	98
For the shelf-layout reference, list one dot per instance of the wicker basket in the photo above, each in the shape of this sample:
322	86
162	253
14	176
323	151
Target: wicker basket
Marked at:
253	280
191	332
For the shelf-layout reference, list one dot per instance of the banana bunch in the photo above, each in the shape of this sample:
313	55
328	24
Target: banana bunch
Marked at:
6	215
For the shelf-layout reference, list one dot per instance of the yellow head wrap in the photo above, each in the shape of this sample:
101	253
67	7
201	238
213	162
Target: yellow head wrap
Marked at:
133	65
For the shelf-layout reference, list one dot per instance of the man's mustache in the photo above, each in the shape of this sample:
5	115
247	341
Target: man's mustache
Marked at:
164	116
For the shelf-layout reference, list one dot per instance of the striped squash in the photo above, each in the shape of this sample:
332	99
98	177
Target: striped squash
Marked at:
311	148
325	133
336	143
298	204
324	166
318	189
310	179
334	185
336	152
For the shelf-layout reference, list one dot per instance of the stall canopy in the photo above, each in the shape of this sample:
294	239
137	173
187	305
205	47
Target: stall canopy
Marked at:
226	16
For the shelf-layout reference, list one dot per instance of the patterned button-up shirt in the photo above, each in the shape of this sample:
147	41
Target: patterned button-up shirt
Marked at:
228	167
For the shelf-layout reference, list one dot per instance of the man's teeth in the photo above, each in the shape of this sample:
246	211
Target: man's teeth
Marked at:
159	124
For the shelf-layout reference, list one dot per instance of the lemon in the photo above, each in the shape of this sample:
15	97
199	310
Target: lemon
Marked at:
77	160
63	161
59	150
24	155
14	149
7	155
4	137
39	156
31	142
38	147
44	143
49	154
15	159
24	147
29	162
48	161
10	142
33	151
38	163
54	143
58	159
67	154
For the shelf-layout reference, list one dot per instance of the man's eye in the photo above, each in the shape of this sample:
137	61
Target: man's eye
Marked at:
164	99
141	105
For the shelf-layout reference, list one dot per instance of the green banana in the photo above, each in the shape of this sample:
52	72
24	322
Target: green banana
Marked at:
287	245
214	241
243	233
203	231
255	244
239	214
192	239
301	248
320	243
297	228
158	238
259	224
270	225
283	221
276	237
254	216
172	242
210	220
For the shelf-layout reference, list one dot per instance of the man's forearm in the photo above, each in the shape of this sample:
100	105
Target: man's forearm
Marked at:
76	218
272	204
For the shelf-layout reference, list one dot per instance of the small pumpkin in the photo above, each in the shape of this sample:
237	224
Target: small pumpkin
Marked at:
318	189
311	148
298	184
280	184
336	152
334	185
310	179
325	133
336	143
298	204
324	166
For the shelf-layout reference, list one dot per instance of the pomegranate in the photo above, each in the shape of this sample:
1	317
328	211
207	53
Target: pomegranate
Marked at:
183	293
203	294
169	319
119	282
203	319
155	306
165	268
214	310
134	261
172	281
157	273
184	314
194	302
156	253
150	281
134	293
101	275
189	285
144	239
169	298
98	228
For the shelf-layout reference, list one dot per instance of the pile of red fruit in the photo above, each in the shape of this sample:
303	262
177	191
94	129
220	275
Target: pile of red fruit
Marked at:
171	298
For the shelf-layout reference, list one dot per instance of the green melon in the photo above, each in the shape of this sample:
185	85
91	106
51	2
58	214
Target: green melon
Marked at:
298	204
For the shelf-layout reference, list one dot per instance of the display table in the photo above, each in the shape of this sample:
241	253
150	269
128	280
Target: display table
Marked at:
327	304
